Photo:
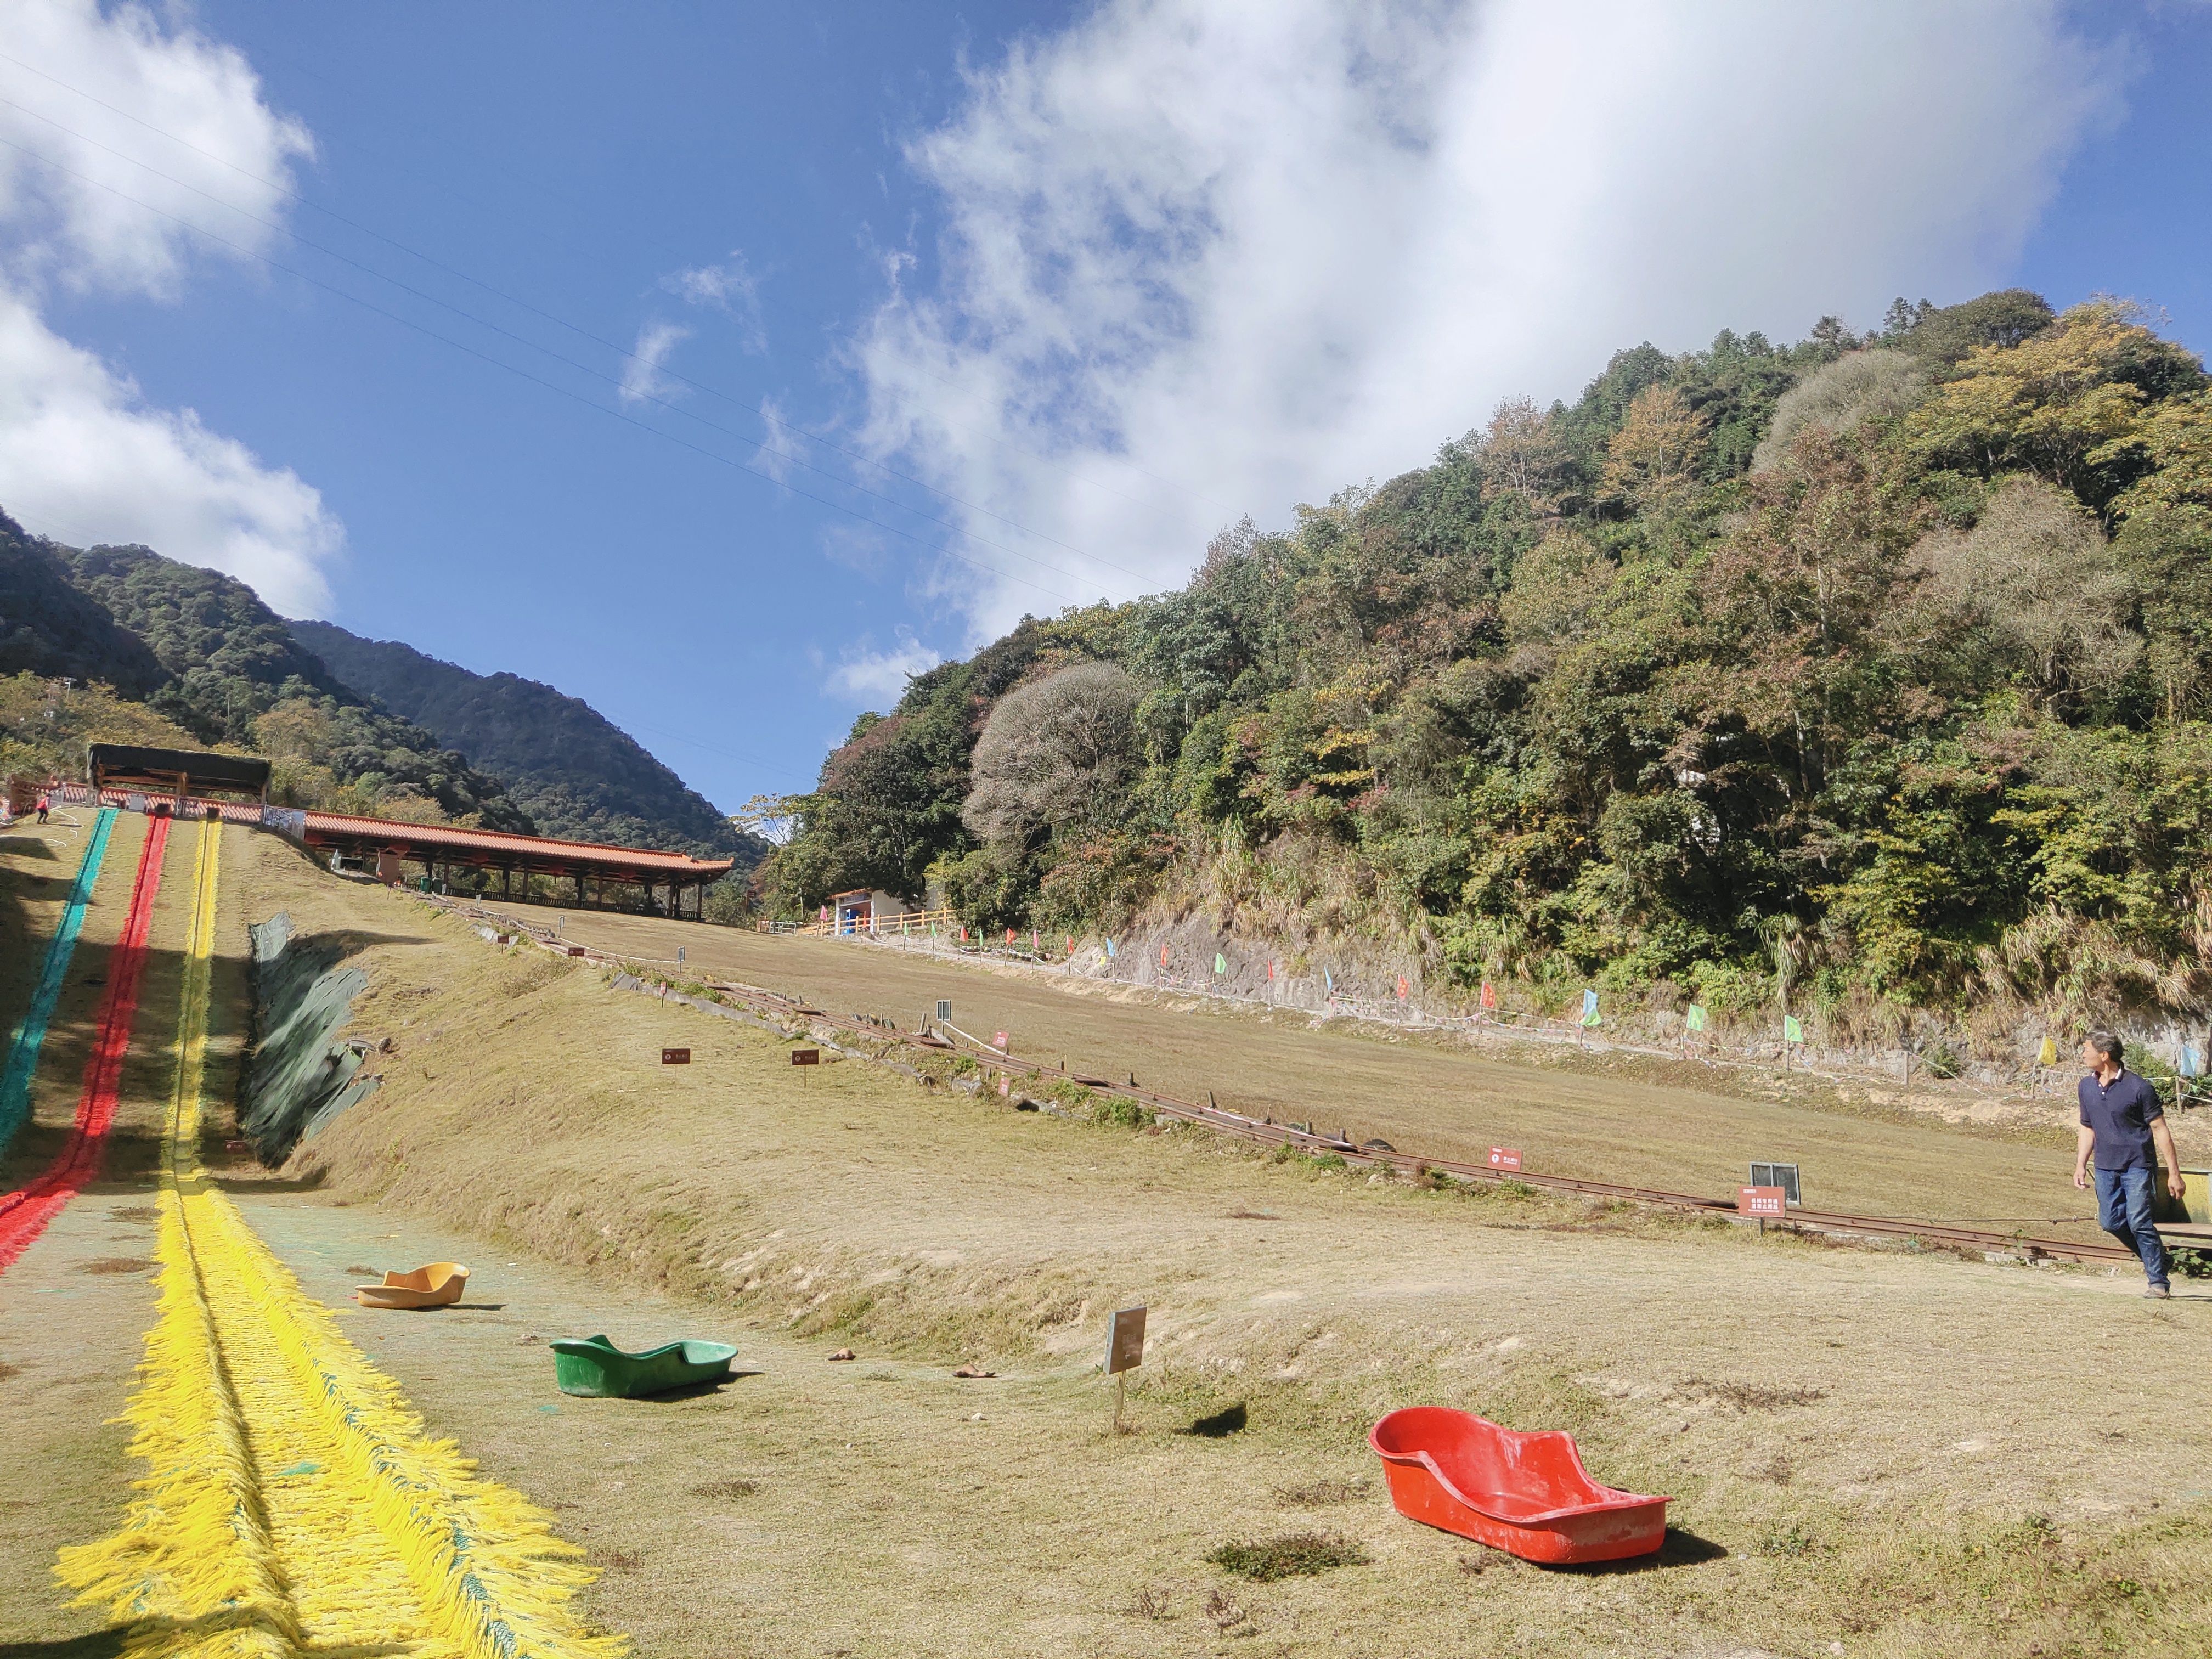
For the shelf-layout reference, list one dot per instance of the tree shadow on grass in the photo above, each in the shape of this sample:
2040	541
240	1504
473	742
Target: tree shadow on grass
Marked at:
1228	1420
101	1644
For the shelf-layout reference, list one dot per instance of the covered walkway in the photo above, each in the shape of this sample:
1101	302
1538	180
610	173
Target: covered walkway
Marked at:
385	845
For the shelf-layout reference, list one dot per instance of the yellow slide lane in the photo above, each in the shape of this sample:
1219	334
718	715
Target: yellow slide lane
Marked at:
295	1506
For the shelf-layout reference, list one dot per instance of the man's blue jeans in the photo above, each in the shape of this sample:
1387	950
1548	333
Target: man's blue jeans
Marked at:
2123	1207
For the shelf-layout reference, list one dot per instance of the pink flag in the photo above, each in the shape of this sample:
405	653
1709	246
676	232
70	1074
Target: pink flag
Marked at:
1163	956
1070	945
1271	971
1404	989
1489	994
1009	936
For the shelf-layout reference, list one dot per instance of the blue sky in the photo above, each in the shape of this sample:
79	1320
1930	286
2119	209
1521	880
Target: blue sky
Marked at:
1094	280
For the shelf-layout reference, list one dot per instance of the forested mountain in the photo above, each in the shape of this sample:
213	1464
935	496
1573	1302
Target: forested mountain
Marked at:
1867	673
48	628
573	770
202	653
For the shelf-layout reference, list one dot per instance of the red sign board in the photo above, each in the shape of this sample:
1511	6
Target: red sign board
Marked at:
1759	1200
1505	1157
999	1040
675	1056
807	1056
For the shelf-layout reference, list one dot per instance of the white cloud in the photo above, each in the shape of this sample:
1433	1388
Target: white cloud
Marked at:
83	456
63	203
779	449
641	379
84	459
1210	258
878	678
730	287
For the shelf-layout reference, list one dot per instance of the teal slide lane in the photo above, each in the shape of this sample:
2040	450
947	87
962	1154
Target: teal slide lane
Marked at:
31	1035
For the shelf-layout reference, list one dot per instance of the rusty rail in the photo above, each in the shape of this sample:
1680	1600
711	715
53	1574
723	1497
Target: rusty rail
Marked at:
1266	1133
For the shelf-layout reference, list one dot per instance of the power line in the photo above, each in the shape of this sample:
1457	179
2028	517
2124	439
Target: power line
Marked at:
287	190
585	368
523	373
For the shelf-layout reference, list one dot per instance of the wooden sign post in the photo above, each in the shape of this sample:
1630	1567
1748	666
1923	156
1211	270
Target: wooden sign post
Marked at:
1125	1351
675	1056
807	1056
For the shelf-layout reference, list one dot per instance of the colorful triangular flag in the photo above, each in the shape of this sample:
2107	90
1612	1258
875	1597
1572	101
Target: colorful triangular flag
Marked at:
1404	989
1109	949
1220	962
2048	1053
1696	1021
1791	1030
1489	995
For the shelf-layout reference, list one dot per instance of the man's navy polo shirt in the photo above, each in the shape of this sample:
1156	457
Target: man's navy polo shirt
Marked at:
2121	1115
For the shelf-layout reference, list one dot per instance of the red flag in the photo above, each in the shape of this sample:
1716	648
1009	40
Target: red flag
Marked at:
1009	936
964	933
1163	956
1070	945
1489	994
1271	971
1403	988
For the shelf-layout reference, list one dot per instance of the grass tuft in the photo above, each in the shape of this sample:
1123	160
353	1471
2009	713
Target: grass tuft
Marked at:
1293	1555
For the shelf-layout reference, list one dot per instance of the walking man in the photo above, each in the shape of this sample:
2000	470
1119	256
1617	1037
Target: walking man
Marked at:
2122	1122
45	805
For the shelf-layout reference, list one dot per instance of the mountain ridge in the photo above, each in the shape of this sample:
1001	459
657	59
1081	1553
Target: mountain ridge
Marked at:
576	771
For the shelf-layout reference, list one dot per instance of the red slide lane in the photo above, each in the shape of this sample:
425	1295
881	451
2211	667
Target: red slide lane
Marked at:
24	1214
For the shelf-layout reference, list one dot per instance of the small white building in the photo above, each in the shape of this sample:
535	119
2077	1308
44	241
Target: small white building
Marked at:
864	910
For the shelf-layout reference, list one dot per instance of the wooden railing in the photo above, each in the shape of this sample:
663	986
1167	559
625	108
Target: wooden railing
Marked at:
909	924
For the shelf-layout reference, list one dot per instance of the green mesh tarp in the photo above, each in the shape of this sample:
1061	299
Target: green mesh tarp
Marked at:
297	1077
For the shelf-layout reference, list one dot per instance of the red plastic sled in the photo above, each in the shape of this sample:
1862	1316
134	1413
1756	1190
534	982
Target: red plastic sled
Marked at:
1527	1494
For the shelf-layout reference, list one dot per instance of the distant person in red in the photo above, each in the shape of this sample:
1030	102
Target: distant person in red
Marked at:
2122	1124
45	805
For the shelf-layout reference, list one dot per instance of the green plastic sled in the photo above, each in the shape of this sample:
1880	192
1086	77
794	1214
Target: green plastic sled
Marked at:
594	1366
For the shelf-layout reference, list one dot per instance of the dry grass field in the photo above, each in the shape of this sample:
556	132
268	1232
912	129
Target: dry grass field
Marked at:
1941	1151
1874	1452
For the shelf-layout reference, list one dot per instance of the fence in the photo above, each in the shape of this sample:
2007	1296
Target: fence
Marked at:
1322	999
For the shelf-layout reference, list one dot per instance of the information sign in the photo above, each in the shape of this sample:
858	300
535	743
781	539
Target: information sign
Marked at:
675	1056
1125	1340
807	1056
1505	1157
1760	1201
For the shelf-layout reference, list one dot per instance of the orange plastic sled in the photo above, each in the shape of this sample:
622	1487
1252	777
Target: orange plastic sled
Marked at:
438	1285
1526	1494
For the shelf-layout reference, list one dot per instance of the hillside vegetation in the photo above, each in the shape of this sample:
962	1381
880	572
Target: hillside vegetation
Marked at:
571	768
1867	674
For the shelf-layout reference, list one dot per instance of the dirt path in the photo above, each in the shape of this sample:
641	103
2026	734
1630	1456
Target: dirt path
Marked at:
1623	1119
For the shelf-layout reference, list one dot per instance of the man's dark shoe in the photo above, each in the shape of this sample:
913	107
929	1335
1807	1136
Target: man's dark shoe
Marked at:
2158	1293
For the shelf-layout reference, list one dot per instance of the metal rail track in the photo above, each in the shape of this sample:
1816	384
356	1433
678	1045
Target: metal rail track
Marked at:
1266	1133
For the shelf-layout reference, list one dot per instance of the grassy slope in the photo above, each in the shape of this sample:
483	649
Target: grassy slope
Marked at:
1860	1436
1680	1127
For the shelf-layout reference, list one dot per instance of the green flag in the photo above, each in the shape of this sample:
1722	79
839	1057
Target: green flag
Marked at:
1220	962
1791	1030
1696	1019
